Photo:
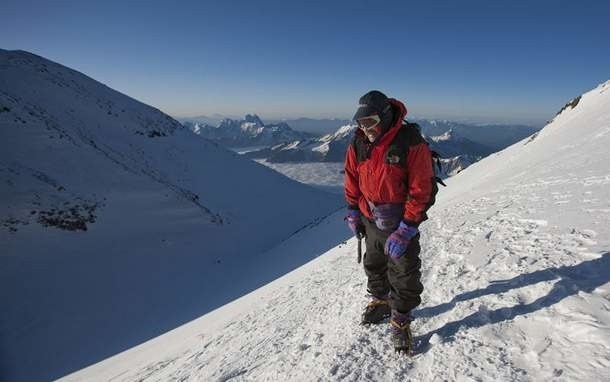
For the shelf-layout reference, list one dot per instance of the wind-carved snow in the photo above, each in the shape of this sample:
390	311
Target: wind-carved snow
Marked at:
516	265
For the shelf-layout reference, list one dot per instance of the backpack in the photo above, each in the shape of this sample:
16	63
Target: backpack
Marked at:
409	135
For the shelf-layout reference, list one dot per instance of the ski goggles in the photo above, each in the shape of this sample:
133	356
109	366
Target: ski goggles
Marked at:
368	123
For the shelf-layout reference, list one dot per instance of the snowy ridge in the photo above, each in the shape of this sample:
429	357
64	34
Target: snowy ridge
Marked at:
110	209
494	137
575	139
328	148
458	151
451	144
250	131
443	137
315	126
516	265
343	134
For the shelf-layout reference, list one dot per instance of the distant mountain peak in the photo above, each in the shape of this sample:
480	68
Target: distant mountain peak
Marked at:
253	118
249	131
446	136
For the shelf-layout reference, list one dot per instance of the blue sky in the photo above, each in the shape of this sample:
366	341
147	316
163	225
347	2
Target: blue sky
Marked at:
487	61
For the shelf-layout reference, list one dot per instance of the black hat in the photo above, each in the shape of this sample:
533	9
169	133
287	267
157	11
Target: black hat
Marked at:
373	102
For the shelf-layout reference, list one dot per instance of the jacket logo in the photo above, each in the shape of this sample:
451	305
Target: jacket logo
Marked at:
393	159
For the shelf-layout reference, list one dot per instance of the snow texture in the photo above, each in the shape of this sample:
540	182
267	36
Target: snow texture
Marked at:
516	264
117	224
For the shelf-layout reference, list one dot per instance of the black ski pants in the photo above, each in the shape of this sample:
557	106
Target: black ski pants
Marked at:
401	277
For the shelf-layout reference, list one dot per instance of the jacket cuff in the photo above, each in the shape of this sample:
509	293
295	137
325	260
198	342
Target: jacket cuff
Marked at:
411	223
353	207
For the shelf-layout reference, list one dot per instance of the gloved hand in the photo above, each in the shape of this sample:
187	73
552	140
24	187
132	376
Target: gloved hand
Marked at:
353	221
397	243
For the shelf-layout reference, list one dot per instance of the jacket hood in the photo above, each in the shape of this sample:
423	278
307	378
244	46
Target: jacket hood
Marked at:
399	111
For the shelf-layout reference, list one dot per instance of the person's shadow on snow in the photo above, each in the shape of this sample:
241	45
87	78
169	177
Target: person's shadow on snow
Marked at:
585	277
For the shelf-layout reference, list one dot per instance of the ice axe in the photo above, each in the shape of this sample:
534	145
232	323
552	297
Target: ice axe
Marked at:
359	236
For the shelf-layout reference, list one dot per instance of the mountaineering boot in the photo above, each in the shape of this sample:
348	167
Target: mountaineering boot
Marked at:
401	332
376	310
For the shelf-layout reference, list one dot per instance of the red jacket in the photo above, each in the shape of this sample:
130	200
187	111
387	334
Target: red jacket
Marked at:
377	181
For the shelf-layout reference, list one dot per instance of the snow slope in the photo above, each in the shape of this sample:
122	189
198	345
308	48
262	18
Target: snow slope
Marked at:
118	224
516	265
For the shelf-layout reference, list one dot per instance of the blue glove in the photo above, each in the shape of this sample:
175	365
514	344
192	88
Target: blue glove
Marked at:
397	243
354	222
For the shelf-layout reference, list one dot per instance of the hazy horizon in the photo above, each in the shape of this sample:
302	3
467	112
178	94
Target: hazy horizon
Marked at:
478	61
460	119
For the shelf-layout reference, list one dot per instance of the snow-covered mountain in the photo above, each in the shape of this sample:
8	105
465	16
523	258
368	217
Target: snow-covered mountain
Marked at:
315	126
451	144
494	137
118	224
457	152
329	148
213	119
516	266
250	131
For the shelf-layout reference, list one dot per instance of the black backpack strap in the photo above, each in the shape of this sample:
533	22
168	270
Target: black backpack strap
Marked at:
361	147
414	134
409	135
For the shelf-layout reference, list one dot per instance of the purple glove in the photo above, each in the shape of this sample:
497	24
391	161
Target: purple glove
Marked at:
353	221
397	243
